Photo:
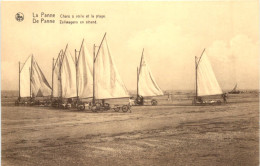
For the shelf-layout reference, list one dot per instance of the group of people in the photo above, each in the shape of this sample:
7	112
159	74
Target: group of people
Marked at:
224	97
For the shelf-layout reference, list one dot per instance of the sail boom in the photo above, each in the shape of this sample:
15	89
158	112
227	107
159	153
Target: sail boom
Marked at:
200	57
112	98
153	95
95	56
210	95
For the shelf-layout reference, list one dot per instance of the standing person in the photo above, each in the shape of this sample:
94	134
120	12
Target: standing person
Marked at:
141	100
169	96
130	104
200	100
224	96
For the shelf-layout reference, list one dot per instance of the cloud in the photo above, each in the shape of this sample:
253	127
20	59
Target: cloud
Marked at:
236	61
170	53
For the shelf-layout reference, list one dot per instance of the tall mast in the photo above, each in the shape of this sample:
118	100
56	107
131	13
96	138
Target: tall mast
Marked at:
196	70
137	82
141	61
60	77
55	63
52	78
196	74
94	60
19	84
94	57
138	71
76	60
76	63
60	70
31	78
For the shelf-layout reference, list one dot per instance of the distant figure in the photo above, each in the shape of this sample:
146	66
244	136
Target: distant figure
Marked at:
169	96
31	101
141	100
69	100
200	99
131	101
130	104
224	96
76	102
103	102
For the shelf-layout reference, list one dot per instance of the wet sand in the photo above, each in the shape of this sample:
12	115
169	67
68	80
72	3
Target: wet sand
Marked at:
150	135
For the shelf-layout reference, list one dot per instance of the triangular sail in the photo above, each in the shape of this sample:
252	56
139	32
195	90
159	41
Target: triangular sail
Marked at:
108	83
25	76
39	84
39	93
207	82
68	76
85	73
146	82
32	80
56	87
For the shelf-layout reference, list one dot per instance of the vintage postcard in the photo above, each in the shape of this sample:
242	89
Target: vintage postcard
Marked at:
130	83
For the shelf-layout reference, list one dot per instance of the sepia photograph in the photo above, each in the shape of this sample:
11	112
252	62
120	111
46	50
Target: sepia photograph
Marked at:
130	83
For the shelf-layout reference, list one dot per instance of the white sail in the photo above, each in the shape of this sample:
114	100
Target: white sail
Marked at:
39	84
207	82
25	76
32	80
108	83
68	76
146	82
56	87
85	73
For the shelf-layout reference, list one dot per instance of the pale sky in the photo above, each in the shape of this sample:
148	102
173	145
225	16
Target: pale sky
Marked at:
171	33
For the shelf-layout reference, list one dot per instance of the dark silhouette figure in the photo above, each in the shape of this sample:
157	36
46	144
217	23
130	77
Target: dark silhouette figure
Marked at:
224	96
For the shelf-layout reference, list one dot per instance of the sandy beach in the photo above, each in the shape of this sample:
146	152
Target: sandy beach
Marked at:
150	135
